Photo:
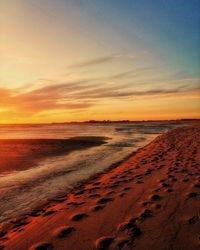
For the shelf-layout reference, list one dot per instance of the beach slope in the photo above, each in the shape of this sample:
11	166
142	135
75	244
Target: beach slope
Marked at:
150	201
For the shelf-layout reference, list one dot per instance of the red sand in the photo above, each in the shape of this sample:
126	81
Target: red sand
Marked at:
150	201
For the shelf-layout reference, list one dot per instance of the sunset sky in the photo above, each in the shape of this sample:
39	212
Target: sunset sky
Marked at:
76	60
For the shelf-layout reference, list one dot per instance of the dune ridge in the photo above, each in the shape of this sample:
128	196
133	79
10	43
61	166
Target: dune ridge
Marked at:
149	201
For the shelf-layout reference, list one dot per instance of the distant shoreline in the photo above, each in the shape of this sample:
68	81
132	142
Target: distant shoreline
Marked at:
192	120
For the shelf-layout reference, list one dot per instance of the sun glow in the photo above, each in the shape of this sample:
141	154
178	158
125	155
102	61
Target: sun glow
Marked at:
63	62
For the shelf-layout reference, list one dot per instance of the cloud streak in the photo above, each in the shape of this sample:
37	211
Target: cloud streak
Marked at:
104	59
79	95
94	62
82	94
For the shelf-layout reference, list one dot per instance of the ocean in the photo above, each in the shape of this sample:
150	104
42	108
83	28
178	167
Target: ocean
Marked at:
20	191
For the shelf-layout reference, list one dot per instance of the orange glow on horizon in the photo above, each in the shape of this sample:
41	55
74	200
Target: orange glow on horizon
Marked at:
59	66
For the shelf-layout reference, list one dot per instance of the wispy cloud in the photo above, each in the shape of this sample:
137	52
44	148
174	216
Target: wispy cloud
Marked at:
94	62
78	95
84	92
105	59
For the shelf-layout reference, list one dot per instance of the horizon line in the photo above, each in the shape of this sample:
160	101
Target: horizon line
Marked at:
105	121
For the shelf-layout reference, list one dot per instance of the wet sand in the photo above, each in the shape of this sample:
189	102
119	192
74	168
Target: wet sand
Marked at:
21	154
150	201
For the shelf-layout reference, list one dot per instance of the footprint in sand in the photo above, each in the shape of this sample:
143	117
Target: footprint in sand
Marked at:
155	197
63	231
146	214
139	176
158	206
149	171
146	203
139	182
97	208
72	203
79	216
197	185
121	242
2	234
81	203
123	177
130	179
93	189
122	194
20	223
117	182
157	190
36	212
130	226
184	170
42	246
104	200
94	195
113	186
110	192
164	184
193	220
113	177
125	181
129	171
162	180
80	192
104	242
96	183
50	212
192	195
191	174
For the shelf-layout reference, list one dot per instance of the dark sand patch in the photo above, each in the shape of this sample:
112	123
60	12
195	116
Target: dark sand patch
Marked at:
21	154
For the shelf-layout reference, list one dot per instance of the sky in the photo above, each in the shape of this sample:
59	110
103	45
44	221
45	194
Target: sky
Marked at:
77	60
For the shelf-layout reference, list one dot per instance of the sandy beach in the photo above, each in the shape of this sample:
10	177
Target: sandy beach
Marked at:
150	201
100	125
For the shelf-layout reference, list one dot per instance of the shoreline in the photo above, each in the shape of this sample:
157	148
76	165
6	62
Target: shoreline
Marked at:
43	204
23	154
142	188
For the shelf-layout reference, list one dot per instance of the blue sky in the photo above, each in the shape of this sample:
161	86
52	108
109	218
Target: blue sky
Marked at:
170	27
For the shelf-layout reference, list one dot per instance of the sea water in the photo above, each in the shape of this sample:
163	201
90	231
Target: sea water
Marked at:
20	191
